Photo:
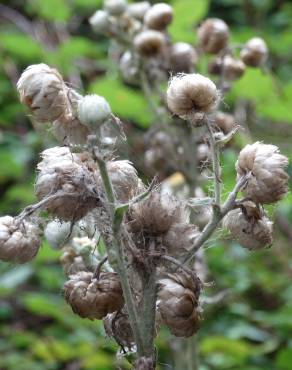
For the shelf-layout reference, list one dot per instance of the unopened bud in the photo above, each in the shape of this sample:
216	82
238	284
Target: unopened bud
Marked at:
100	22
182	57
255	52
213	35
138	10
233	69
19	242
115	7
57	233
93	111
149	43
159	16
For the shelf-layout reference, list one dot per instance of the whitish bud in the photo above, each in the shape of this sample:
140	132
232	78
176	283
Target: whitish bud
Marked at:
182	57
43	91
149	43
191	96
115	7
224	122
129	68
233	69
93	110
180	238
255	52
268	180
178	303
203	153
64	174
100	21
213	35
159	16
251	229
94	298
156	214
19	242
57	233
138	10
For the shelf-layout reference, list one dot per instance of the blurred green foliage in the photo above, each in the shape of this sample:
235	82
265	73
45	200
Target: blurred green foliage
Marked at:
252	328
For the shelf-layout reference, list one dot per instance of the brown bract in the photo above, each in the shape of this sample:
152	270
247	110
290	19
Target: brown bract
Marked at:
94	298
178	303
268	181
19	242
159	16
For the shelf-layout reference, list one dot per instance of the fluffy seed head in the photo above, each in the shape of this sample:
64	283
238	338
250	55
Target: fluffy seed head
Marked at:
233	69
159	16
178	303
156	214
249	227
255	52
138	10
268	181
100	22
19	242
190	96
149	43
94	298
213	35
115	7
63	172
182	57
93	111
42	90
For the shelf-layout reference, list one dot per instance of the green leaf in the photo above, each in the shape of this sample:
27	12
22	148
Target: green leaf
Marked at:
186	14
284	359
53	10
124	101
9	167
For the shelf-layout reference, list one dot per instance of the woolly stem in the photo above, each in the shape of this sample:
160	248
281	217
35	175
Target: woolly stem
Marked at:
218	214
216	165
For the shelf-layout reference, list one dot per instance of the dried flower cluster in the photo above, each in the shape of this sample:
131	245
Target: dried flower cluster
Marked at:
144	277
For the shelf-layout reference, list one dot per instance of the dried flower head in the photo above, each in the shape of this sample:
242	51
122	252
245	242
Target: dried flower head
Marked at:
233	68
62	173
117	325
178	303
43	91
72	262
250	227
255	52
180	238
268	180
138	10
115	7
100	22
224	122
191	96
149	43
183	57
156	214
94	298
93	111
213	35
159	16
19	241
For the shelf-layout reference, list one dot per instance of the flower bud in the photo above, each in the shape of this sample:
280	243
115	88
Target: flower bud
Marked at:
268	179
156	214
233	69
159	16
57	233
255	52
93	111
115	7
178	303
180	238
213	35
100	21
43	91
203	153
117	325
182	57
190	96
249	227
149	43
63	174
224	122
138	10
215	66
94	298
72	262
129	68
19	242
